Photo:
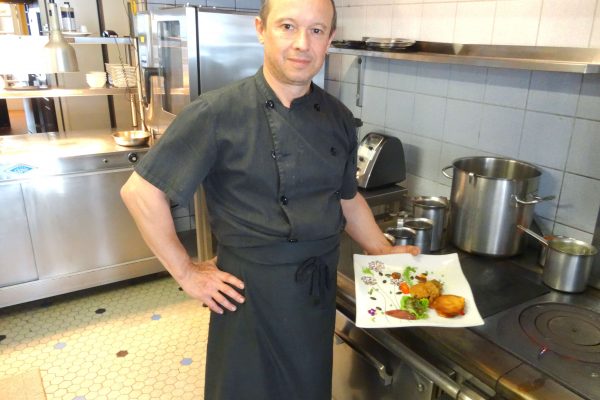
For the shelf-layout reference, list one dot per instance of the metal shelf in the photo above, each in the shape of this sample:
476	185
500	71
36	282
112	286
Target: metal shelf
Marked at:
58	92
41	40
536	58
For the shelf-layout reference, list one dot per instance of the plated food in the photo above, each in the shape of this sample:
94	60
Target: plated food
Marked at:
401	290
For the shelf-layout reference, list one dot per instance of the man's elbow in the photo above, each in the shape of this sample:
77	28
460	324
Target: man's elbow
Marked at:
128	191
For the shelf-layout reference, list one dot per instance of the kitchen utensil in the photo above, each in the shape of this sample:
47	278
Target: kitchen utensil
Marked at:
435	209
96	79
544	249
402	236
568	262
131	138
349	44
390	44
121	75
423	228
489	197
380	161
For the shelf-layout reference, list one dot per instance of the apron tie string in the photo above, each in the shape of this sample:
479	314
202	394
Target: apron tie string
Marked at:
317	271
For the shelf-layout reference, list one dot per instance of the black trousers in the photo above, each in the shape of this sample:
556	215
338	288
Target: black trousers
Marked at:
278	344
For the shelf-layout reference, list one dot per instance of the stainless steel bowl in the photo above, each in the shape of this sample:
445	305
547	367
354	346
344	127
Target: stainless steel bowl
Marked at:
131	138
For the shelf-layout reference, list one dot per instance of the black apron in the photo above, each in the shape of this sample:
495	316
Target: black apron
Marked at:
278	344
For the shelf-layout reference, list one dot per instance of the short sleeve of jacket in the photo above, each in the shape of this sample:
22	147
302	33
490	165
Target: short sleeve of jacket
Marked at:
349	184
178	163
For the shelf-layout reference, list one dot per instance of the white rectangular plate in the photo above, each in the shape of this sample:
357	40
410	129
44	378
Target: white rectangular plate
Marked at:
377	292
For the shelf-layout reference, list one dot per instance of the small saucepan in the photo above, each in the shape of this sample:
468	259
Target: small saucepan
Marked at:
568	262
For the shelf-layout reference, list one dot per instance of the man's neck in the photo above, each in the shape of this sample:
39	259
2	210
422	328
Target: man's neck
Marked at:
285	93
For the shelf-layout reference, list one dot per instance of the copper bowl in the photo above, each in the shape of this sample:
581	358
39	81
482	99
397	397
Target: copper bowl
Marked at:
131	138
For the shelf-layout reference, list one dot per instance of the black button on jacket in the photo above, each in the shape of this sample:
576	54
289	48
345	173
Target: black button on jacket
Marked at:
270	173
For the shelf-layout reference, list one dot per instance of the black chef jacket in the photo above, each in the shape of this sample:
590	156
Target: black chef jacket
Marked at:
270	173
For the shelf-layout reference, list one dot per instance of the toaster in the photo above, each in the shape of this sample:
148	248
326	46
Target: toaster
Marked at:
380	161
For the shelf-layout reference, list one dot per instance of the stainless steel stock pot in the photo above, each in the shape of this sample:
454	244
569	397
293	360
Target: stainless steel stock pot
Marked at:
489	197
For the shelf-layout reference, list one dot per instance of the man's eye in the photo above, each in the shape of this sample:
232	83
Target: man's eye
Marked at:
317	31
288	27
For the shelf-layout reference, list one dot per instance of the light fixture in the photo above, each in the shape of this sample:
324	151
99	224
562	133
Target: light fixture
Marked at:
60	54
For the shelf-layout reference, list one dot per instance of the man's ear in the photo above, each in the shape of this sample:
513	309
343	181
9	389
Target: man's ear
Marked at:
260	28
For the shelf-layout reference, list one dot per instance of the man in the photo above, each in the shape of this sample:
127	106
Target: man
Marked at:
277	158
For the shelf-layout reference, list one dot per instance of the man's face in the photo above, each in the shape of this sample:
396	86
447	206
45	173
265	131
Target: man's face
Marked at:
296	38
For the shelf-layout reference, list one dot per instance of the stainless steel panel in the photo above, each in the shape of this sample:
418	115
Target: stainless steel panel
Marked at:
16	254
229	49
365	370
78	222
172	67
177	55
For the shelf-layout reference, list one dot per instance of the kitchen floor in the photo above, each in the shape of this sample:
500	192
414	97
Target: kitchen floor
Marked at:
141	339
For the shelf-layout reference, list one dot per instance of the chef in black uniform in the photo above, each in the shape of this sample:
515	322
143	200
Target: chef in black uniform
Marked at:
277	158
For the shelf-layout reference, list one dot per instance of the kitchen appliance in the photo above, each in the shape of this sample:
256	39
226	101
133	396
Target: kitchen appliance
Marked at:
186	51
557	334
489	197
435	209
64	225
380	161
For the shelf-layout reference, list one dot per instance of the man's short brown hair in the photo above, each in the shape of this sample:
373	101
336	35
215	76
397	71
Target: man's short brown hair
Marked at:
264	13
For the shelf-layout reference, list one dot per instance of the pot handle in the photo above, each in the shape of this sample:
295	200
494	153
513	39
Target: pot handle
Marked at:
536	199
444	171
532	233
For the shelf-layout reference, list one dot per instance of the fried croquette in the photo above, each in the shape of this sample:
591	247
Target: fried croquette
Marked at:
430	290
448	305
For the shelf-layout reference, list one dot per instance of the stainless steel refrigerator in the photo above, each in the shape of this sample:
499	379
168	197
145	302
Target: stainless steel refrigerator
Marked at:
186	51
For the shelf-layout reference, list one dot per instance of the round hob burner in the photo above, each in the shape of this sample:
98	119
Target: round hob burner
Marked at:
570	331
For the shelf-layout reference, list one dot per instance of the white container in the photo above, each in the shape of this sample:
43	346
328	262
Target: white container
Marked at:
96	79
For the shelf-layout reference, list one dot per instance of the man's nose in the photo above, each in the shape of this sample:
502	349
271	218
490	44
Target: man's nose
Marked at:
302	40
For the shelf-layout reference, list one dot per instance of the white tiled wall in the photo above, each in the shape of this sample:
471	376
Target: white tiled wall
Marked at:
442	112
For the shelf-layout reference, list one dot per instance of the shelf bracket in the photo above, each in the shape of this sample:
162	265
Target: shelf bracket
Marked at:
361	61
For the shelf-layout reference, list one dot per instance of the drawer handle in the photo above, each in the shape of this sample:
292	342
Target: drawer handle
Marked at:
369	358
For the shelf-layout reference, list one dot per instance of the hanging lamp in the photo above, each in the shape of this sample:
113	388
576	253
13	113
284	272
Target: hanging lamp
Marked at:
60	54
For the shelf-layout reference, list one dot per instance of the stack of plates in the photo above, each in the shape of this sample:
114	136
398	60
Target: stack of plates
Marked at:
121	75
388	44
349	44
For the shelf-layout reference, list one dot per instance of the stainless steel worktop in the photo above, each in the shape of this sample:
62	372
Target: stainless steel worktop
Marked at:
33	155
474	350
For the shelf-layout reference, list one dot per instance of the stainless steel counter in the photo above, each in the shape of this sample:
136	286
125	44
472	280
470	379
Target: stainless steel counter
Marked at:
63	224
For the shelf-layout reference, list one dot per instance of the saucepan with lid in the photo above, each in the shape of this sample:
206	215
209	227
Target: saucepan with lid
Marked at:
568	262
